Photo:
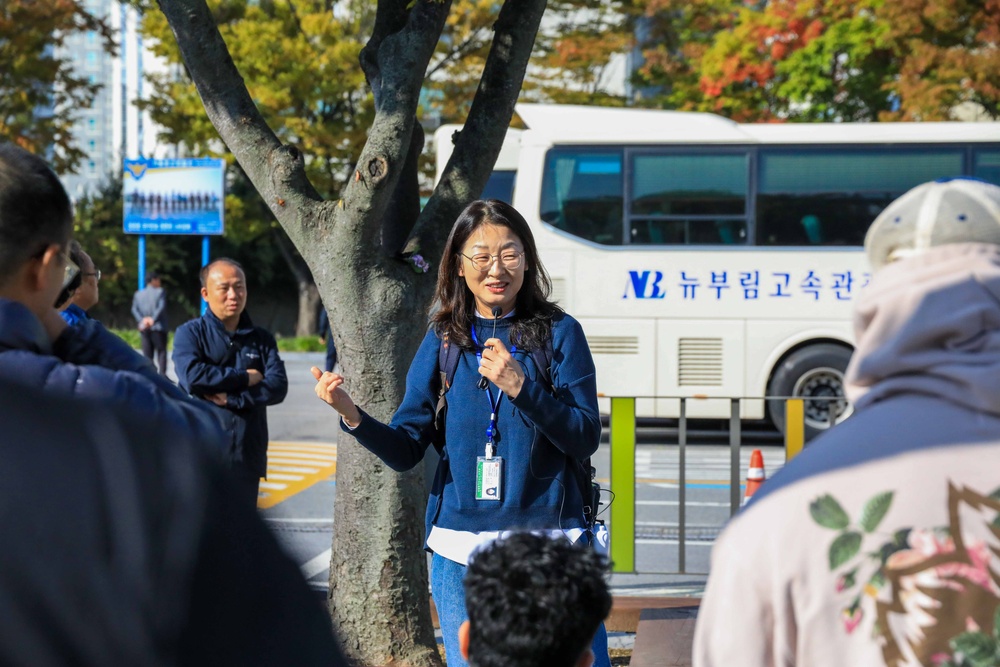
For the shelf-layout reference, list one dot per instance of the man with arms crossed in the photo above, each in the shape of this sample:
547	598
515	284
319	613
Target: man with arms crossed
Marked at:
224	359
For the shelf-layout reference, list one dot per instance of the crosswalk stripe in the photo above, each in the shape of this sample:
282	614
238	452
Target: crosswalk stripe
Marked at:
293	467
280	468
307	455
316	565
282	459
270	485
282	477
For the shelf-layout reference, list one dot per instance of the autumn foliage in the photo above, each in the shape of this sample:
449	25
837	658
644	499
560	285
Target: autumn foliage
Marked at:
821	59
39	91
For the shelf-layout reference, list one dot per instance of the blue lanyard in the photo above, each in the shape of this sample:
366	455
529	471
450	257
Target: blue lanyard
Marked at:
494	405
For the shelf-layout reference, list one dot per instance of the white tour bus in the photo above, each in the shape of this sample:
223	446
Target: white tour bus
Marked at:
709	258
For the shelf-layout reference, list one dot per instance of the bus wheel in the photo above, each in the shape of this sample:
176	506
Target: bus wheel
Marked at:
815	372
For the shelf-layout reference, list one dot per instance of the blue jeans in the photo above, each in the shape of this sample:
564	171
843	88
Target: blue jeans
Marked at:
449	599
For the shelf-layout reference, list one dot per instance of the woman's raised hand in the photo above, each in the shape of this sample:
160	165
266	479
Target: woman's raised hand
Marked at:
330	392
499	367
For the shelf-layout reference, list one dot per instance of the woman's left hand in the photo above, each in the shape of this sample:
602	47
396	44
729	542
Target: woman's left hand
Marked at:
499	367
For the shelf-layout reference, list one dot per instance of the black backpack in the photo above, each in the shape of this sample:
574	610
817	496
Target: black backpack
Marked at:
583	471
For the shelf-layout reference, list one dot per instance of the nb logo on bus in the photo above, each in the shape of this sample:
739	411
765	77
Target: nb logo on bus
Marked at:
644	285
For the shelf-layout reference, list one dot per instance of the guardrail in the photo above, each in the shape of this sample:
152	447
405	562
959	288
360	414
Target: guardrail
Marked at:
623	446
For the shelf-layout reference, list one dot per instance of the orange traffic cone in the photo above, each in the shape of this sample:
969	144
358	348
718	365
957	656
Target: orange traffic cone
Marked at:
755	476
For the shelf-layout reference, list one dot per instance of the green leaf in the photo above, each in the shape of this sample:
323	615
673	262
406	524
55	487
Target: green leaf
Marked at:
875	510
996	623
902	537
827	512
976	647
844	548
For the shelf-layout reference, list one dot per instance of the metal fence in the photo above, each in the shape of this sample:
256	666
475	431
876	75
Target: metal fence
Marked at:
623	479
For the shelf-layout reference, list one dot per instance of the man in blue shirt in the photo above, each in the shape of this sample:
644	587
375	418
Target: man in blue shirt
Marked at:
83	292
234	366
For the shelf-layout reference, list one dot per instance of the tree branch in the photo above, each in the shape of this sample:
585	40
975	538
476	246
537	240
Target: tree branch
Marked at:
457	53
390	18
479	143
288	193
401	62
404	207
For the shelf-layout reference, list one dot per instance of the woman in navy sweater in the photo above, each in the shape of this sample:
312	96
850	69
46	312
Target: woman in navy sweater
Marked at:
510	437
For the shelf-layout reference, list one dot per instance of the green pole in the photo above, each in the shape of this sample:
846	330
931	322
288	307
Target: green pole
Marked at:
623	484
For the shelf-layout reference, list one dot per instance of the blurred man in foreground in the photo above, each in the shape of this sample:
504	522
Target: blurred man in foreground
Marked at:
123	543
880	543
37	347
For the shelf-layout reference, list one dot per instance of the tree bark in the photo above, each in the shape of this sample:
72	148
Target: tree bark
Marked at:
378	302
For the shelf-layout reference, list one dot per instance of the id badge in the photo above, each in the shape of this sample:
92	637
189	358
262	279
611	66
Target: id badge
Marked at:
489	478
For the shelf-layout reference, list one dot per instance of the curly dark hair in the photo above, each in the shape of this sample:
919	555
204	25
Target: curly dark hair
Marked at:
454	307
534	600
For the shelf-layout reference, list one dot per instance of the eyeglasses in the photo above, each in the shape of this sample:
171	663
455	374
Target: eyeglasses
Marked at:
71	269
509	259
96	273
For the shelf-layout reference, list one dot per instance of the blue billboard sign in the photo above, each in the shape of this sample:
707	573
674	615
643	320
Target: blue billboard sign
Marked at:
178	196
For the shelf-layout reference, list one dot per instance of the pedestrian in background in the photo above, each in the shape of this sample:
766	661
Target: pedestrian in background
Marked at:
878	545
83	292
326	336
222	358
149	308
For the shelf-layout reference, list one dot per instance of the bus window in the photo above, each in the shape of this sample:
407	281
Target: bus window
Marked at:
500	186
582	193
688	232
987	166
831	197
689	199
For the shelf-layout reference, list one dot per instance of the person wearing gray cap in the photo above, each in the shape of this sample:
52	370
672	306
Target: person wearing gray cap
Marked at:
880	543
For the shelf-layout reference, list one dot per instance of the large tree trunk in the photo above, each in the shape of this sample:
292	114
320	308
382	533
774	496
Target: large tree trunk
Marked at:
377	302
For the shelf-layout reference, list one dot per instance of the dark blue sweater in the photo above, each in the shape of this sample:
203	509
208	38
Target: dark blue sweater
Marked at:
88	361
538	432
210	360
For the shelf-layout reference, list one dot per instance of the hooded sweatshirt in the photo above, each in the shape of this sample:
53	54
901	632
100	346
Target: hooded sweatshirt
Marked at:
880	543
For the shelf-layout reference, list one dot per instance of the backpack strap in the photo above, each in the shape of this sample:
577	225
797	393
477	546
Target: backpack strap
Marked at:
542	357
583	471
448	355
